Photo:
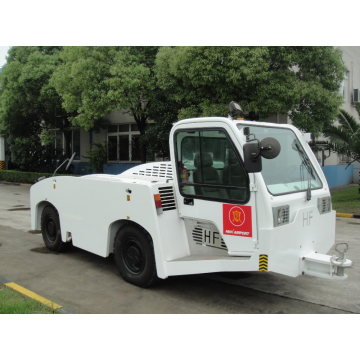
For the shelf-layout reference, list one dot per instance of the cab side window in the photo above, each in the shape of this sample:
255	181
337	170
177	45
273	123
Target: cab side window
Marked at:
208	166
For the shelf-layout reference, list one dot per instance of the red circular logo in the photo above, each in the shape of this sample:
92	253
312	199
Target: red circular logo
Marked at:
237	216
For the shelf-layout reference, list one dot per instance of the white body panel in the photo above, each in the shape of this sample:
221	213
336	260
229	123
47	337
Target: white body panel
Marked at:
92	208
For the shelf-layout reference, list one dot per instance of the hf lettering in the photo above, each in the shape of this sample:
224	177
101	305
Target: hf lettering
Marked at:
307	216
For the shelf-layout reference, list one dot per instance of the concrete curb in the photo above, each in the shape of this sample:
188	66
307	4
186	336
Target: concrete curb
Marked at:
34	296
13	183
355	216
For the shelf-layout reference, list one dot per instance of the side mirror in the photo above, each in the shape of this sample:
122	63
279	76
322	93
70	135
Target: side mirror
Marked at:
252	163
268	148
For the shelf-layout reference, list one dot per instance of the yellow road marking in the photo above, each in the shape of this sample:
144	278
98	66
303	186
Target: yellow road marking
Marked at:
344	215
34	296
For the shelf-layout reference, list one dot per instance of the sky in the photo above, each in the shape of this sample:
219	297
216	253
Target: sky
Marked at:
3	53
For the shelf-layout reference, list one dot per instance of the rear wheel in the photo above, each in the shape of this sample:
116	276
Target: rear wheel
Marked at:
51	231
134	256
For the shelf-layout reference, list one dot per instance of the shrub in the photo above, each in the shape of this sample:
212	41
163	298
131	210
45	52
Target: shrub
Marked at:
24	177
98	156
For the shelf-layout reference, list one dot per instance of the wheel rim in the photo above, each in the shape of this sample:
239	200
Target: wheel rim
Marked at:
133	256
50	229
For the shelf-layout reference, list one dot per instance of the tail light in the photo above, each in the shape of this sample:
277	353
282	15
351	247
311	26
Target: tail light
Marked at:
158	204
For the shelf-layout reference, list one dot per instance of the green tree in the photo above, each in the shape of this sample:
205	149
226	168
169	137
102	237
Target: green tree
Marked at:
29	104
165	113
345	138
300	81
94	81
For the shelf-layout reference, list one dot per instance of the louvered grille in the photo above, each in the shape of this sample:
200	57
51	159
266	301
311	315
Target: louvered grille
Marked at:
167	198
160	170
285	212
208	237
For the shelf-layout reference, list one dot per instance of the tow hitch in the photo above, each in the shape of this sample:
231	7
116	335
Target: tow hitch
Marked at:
326	266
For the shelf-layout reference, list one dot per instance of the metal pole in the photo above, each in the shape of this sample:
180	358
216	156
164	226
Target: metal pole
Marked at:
2	153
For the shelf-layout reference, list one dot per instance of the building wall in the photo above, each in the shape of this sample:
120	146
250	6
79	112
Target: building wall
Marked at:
338	175
356	173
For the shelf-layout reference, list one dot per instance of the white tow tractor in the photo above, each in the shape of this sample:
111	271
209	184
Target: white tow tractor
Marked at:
236	196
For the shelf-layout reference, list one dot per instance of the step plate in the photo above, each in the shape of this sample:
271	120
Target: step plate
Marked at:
197	258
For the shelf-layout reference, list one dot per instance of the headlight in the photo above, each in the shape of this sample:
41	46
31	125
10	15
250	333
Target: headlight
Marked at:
324	205
281	215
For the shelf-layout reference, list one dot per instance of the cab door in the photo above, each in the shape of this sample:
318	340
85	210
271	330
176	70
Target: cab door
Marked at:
212	186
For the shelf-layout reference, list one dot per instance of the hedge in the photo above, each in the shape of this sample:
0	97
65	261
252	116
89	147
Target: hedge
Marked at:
24	177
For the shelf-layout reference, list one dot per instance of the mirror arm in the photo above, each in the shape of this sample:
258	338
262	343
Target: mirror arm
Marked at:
255	156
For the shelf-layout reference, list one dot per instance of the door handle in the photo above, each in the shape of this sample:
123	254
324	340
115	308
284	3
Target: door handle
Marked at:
188	201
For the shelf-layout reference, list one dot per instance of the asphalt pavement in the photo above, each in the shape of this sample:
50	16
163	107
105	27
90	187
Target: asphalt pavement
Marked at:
87	283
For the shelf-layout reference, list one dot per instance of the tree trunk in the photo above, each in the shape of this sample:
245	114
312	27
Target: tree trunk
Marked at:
143	153
141	123
67	136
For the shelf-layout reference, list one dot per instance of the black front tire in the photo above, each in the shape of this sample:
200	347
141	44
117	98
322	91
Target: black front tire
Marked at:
134	256
51	231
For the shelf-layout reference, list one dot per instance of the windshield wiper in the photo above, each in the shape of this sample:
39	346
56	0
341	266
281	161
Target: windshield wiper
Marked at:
307	163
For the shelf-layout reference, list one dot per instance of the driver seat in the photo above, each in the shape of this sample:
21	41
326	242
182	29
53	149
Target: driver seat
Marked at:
207	175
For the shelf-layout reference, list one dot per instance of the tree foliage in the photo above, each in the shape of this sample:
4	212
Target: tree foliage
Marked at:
29	104
300	81
82	82
94	81
55	87
345	138
164	112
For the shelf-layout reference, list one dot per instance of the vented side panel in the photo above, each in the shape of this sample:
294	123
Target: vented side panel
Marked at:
208	237
159	171
167	198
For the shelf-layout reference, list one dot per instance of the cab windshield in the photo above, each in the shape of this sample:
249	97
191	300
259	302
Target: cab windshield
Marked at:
291	171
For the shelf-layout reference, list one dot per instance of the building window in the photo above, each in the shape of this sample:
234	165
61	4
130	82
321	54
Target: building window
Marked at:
344	87
59	143
343	159
124	144
75	144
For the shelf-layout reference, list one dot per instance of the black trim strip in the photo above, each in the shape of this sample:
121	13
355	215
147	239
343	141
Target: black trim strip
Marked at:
188	183
215	247
240	161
